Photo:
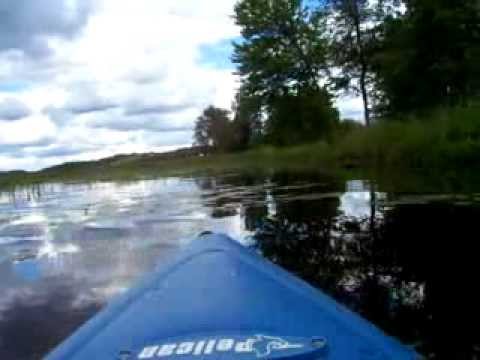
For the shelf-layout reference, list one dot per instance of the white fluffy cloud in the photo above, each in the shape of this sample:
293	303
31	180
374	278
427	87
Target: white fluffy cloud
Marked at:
92	79
88	79
13	109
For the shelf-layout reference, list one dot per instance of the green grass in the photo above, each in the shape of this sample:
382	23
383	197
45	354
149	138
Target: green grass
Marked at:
442	141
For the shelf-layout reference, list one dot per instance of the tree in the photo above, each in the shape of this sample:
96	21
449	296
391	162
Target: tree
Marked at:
281	60
282	49
304	117
352	39
429	56
214	129
247	121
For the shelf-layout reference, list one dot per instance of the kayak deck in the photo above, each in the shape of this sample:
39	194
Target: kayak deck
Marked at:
219	300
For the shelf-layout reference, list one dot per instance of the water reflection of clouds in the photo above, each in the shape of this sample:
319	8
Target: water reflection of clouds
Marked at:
53	251
120	231
55	222
232	225
356	204
357	199
34	318
73	247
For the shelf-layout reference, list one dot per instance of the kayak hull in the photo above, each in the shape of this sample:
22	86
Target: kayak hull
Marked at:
220	300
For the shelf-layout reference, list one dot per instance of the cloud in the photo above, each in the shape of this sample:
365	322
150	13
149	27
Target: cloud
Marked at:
17	149
37	130
85	106
59	150
102	77
83	99
27	25
167	139
89	103
12	109
147	75
106	77
59	116
143	108
350	108
147	122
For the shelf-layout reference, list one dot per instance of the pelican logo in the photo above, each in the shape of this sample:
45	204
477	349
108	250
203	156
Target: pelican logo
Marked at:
260	345
265	345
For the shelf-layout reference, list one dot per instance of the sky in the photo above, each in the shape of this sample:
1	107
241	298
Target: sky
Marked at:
87	79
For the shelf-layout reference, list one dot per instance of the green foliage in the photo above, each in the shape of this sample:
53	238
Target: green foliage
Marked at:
429	56
305	117
213	129
444	141
282	50
402	56
247	122
281	60
443	138
345	127
352	43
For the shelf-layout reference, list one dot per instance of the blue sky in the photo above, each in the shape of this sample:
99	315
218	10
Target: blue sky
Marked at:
218	55
13	86
94	78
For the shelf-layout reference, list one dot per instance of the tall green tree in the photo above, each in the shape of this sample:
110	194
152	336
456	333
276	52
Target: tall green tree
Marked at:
247	121
283	48
303	117
352	31
430	56
282	57
213	129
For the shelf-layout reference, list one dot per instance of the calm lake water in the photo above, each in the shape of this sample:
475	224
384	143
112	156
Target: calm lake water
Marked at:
407	262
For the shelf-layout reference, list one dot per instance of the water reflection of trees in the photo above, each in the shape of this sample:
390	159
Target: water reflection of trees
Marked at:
404	269
436	244
408	267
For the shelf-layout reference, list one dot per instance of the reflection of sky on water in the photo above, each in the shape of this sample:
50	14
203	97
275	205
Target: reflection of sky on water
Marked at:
66	249
51	222
356	201
28	270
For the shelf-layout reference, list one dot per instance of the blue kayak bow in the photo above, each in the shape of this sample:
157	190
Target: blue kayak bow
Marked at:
220	300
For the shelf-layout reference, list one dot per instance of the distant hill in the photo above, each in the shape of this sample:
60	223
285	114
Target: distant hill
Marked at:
126	165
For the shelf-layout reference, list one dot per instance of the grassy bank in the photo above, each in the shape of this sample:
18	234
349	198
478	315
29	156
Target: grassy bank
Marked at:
440	140
443	140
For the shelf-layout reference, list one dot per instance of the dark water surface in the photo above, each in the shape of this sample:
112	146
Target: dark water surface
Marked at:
407	262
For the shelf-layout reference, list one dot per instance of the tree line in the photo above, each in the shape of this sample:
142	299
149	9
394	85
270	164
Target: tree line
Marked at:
295	56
